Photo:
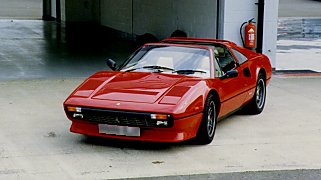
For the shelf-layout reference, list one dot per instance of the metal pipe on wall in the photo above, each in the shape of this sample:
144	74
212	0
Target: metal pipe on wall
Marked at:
220	19
260	26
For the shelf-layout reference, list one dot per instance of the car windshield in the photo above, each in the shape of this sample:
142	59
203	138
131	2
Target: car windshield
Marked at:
170	59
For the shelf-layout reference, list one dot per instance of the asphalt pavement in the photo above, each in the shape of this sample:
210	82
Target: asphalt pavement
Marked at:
299	8
254	175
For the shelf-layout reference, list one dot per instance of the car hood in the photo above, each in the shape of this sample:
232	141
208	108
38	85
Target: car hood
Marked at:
137	87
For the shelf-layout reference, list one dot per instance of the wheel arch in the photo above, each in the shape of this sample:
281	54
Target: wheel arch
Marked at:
263	72
216	100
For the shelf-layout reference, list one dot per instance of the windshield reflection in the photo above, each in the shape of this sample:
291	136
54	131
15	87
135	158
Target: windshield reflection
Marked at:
170	59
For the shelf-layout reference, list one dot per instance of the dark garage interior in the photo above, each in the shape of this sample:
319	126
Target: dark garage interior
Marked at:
33	48
75	41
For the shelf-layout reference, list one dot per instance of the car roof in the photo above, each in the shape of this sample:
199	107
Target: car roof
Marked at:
197	41
192	45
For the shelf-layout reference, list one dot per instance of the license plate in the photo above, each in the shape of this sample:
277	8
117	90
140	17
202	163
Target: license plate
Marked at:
119	130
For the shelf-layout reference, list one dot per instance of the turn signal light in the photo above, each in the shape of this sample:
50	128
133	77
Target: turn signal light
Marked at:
73	109
159	116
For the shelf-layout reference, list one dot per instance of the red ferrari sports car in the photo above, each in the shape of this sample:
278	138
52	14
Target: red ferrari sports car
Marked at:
170	91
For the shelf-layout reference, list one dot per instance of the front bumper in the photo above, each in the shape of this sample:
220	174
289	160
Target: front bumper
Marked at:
182	129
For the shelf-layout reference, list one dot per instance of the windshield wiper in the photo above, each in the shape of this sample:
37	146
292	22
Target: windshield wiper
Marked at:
151	67
132	69
159	67
189	71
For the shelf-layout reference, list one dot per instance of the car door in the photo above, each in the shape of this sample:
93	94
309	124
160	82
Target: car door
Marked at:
232	90
245	65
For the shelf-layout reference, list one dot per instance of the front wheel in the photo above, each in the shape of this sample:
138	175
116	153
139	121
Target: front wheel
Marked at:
207	127
257	103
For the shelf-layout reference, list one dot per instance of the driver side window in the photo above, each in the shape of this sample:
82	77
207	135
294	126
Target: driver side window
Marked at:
218	71
225	58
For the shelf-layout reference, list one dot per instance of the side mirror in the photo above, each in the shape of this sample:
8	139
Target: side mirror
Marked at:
111	64
230	74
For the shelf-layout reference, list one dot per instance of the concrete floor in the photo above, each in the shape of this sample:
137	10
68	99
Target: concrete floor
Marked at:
35	141
21	9
299	55
298	45
38	49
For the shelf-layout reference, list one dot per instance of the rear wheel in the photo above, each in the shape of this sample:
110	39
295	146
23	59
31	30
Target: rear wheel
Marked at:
257	103
207	127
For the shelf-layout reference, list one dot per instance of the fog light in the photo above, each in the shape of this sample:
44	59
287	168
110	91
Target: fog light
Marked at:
76	115
162	123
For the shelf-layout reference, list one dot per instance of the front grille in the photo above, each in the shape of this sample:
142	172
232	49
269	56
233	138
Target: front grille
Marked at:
111	117
114	119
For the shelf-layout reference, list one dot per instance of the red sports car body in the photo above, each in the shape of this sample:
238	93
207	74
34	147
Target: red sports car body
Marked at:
170	91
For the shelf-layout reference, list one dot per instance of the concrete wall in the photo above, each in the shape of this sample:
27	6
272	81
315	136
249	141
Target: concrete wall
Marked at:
156	17
53	9
198	18
237	12
63	10
81	10
116	14
160	18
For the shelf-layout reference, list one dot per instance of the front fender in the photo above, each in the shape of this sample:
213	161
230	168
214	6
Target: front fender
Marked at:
193	101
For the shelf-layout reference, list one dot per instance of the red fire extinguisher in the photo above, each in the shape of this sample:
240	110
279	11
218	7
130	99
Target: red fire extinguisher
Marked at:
249	33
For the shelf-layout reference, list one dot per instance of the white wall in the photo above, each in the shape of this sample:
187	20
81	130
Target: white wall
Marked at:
161	18
270	29
237	12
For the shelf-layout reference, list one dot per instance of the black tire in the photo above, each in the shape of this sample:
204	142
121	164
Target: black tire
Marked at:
206	130
257	103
